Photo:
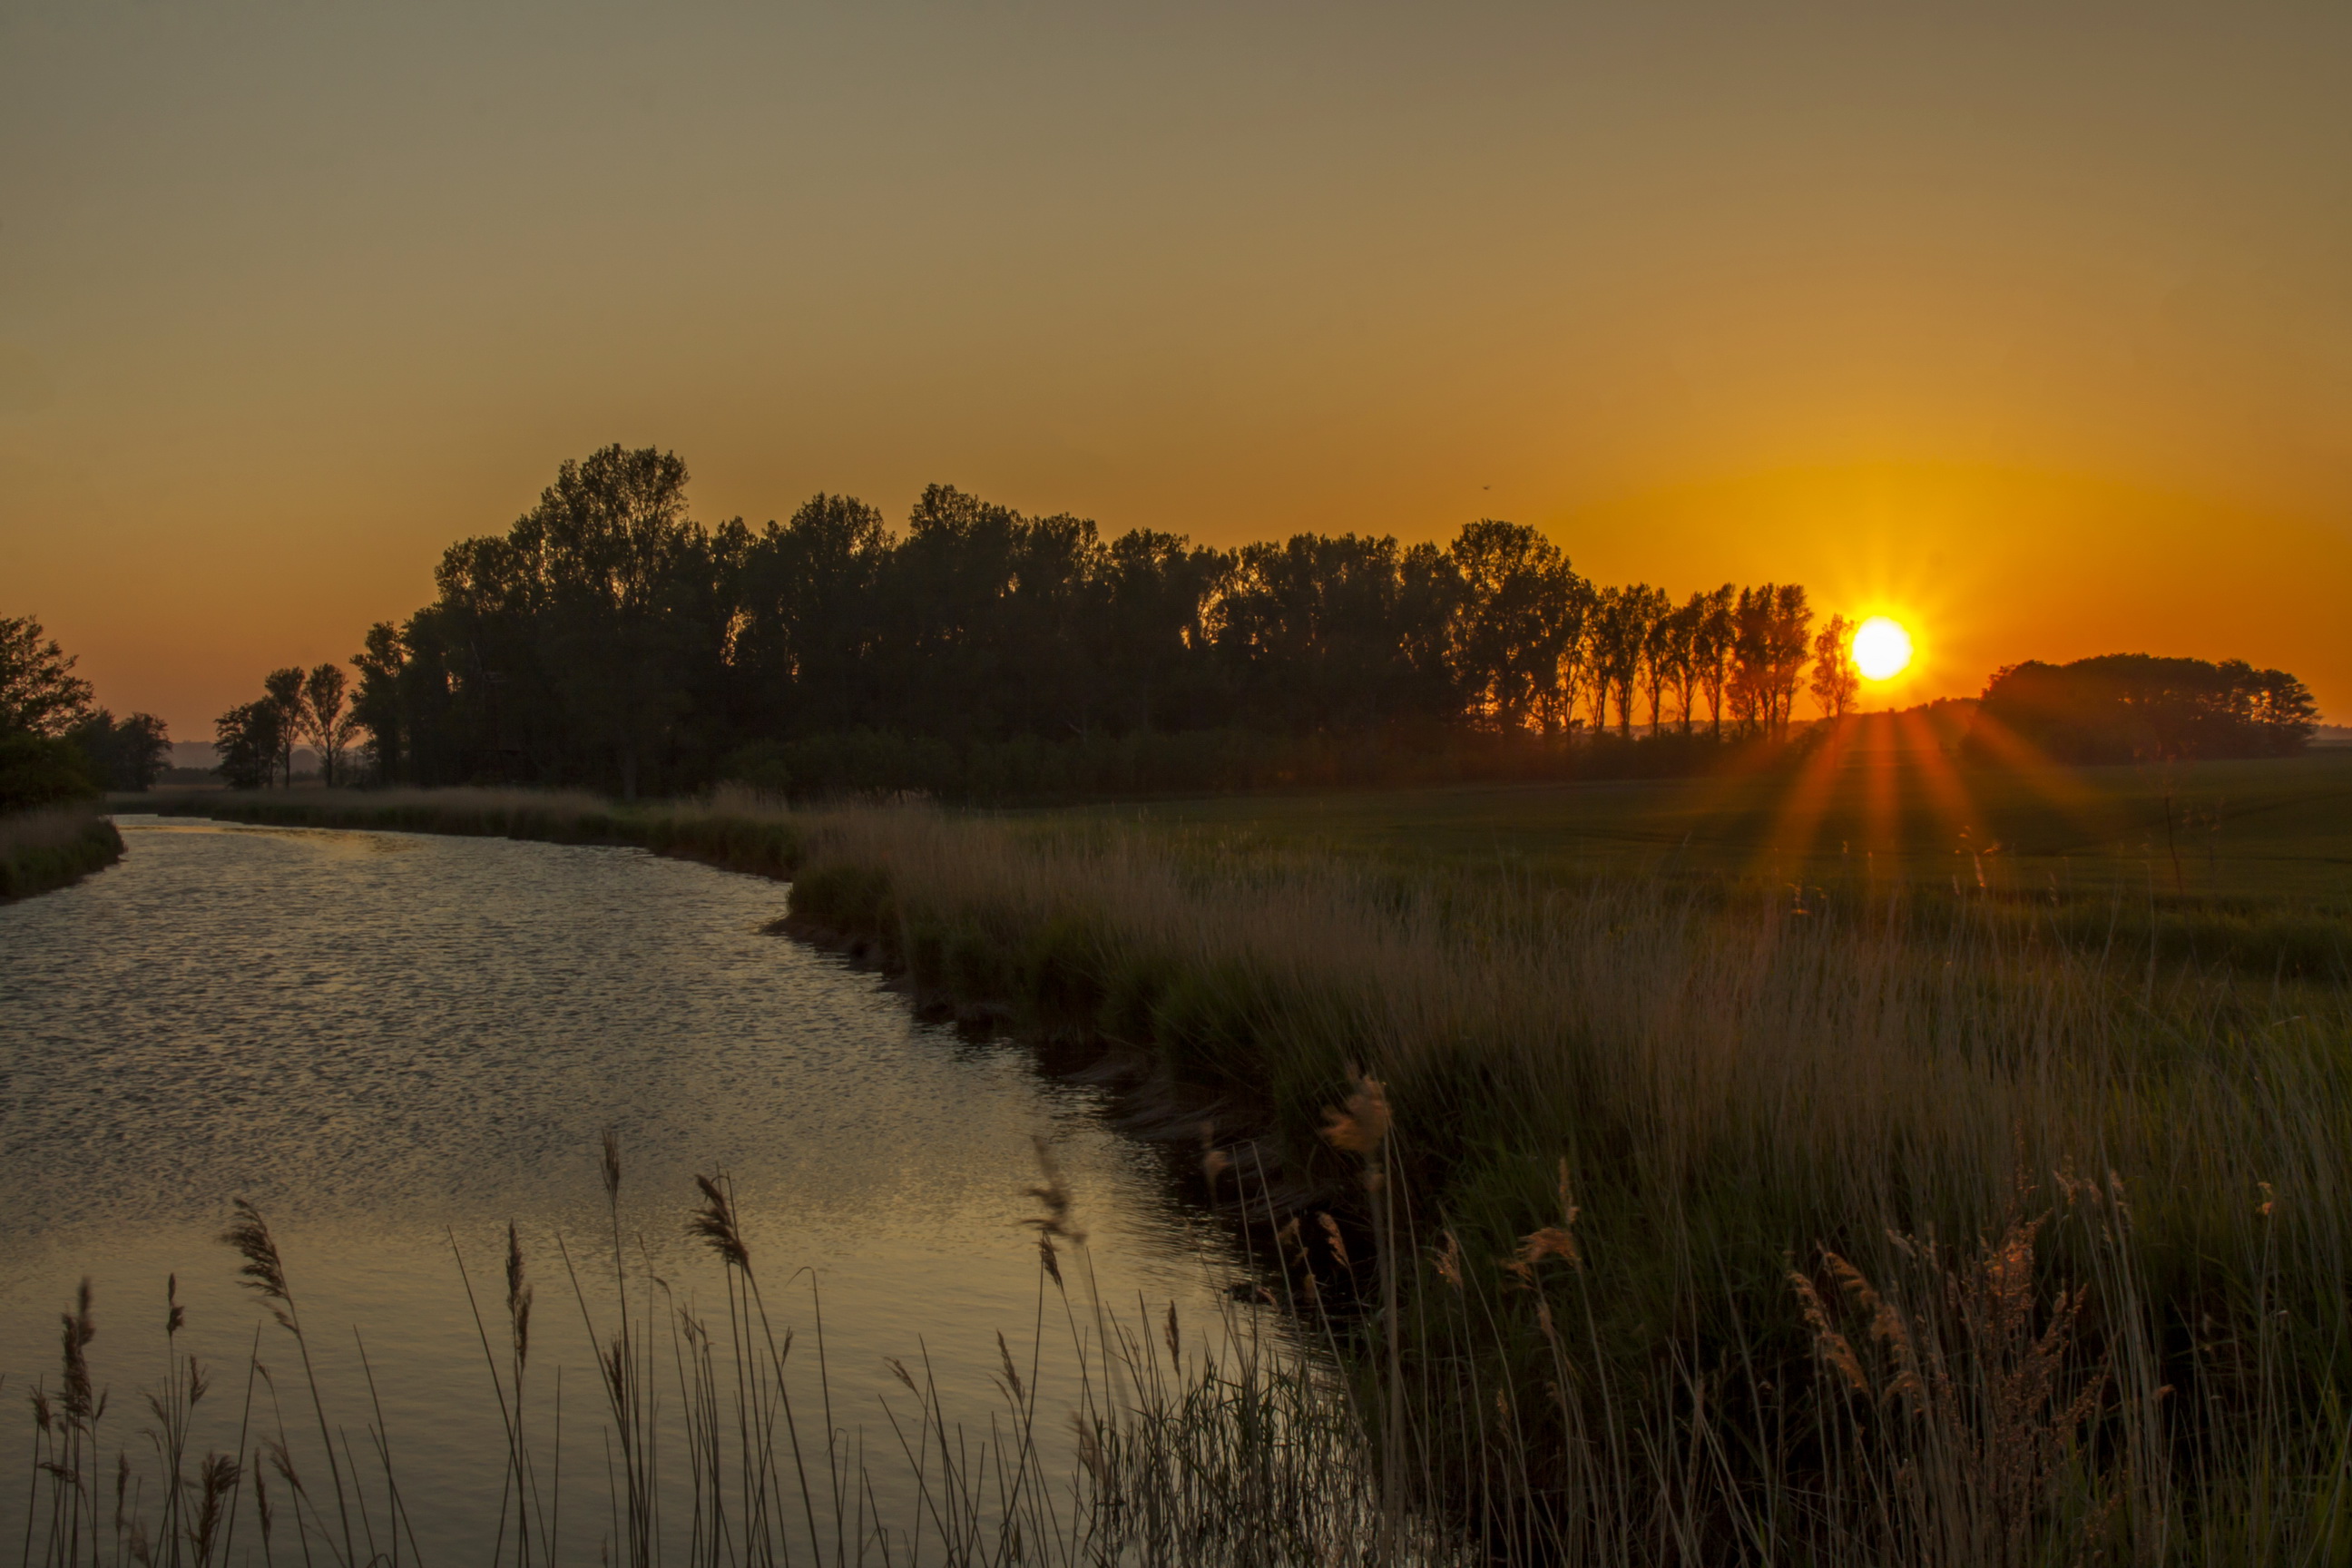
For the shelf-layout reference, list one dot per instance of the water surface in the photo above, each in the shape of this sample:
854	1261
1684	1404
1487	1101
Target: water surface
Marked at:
395	1045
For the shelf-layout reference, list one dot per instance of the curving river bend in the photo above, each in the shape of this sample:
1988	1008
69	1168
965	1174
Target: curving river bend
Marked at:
394	1043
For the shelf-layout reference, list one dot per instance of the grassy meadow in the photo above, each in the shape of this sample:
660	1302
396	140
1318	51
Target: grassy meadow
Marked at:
1877	806
1662	1197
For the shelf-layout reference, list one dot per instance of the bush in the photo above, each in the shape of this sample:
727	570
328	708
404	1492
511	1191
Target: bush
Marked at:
36	771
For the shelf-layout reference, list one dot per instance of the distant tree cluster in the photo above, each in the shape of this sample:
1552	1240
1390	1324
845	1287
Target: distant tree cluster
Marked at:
606	639
254	741
127	753
2126	707
54	745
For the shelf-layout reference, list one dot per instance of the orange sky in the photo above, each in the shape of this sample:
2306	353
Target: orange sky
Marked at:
2032	324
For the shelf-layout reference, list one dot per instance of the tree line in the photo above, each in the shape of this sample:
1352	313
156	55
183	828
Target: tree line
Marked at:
608	641
254	741
54	743
2134	707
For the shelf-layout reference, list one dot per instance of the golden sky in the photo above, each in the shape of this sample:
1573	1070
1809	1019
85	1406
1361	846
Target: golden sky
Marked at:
2030	323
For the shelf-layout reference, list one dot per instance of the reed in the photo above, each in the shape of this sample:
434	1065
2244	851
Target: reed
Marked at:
52	848
1239	1449
1727	1083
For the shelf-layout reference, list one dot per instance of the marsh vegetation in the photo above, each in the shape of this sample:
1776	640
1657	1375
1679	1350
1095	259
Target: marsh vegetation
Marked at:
52	846
1726	1220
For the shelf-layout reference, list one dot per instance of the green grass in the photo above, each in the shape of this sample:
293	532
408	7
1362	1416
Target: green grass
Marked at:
2278	829
2246	865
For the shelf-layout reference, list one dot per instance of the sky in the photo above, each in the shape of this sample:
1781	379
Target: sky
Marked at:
2030	324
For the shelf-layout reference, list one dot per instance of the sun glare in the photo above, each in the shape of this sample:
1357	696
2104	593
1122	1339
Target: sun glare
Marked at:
1882	649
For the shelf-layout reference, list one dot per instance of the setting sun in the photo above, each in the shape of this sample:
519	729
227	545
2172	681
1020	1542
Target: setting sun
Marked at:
1882	649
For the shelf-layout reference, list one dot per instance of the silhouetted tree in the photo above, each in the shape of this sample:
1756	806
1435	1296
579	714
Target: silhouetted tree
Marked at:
39	693
1677	650
247	741
1770	646
282	691
1658	651
2130	706
1520	610
1715	643
810	624
1836	679
1157	594
1342	633
38	770
607	640
326	725
1622	619
379	707
126	753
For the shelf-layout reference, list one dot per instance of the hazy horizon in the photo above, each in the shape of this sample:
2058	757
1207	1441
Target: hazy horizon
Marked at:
2034	329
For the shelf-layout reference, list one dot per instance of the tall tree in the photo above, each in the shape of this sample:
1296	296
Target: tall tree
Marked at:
1339	632
282	691
1159	592
1520	610
1714	642
378	709
812	621
1770	646
1791	649
1679	640
1836	679
1621	618
326	723
39	693
246	740
604	566
1659	651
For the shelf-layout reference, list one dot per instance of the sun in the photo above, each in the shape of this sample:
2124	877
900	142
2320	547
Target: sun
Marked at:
1882	649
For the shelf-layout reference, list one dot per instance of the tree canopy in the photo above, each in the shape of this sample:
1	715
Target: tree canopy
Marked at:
2123	706
39	693
607	640
54	745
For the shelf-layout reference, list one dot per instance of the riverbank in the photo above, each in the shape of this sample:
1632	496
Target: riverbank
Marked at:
396	1047
1744	1168
56	846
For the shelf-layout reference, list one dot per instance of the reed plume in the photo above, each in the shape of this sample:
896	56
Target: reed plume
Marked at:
714	1223
519	1295
264	1272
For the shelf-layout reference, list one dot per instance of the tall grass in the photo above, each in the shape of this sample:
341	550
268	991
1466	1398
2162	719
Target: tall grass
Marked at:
53	846
2109	1194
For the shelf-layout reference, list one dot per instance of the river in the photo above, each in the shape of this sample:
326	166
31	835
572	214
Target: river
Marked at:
394	1045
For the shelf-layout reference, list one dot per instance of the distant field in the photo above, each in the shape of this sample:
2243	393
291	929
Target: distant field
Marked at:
2260	830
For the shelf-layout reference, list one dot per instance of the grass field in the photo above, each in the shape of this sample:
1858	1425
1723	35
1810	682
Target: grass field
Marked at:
2261	830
